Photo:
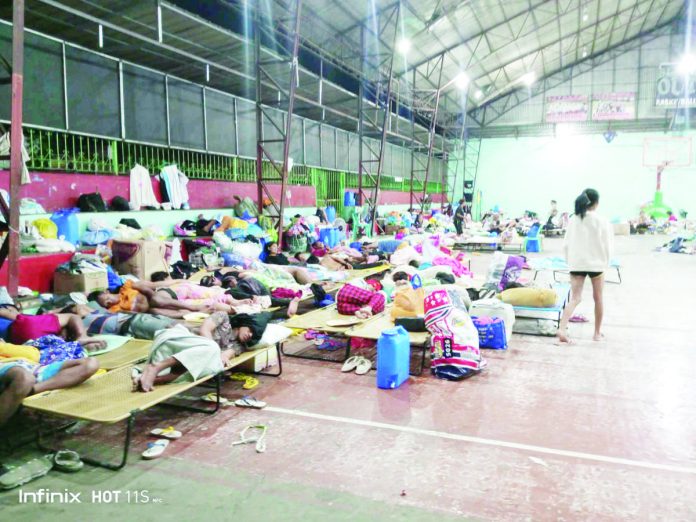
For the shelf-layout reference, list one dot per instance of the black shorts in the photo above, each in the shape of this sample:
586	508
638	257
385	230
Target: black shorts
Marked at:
592	275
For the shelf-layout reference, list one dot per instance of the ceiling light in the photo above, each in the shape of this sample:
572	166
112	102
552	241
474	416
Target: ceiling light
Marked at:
478	94
585	17
584	52
528	79
687	64
461	80
403	46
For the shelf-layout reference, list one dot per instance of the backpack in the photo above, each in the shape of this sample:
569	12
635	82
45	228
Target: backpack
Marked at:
91	203
120	203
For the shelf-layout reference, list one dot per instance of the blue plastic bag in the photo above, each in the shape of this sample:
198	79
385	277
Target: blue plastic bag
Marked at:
491	332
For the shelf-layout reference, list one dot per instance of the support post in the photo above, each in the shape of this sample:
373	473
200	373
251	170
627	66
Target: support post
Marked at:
265	71
10	247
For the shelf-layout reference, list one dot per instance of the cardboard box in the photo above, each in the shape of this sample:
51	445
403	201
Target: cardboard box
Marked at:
622	229
64	283
139	258
262	361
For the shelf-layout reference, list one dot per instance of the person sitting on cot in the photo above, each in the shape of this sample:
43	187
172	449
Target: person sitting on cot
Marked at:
361	302
21	377
28	327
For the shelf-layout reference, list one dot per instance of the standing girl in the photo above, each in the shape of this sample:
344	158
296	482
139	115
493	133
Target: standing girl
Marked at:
588	242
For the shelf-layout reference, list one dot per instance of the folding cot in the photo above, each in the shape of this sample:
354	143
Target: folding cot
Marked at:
530	312
109	398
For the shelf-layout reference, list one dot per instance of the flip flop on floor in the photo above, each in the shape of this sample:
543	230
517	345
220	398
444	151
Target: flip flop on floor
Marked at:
212	397
27	472
68	461
364	366
249	402
167	433
351	363
249	381
259	439
155	449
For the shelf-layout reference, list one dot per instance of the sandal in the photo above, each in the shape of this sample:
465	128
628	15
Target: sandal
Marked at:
249	382
212	397
27	472
364	366
68	461
167	433
155	449
250	402
259	440
351	363
579	319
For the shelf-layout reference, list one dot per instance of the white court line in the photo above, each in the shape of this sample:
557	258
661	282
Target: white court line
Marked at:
487	442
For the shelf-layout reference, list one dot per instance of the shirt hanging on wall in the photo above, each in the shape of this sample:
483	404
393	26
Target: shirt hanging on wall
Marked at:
141	193
174	187
5	151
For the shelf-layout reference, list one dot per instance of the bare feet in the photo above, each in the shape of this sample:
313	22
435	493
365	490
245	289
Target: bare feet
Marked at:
292	307
147	379
563	337
598	337
92	345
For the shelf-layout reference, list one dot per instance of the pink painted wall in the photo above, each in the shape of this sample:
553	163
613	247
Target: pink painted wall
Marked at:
56	190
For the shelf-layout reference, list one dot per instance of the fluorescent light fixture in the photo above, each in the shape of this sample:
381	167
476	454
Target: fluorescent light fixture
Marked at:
403	46
207	72
584	52
478	94
528	79
687	64
585	17
101	36
433	25
461	80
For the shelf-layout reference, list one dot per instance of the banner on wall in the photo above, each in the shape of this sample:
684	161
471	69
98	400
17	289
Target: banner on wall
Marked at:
614	106
674	90
566	108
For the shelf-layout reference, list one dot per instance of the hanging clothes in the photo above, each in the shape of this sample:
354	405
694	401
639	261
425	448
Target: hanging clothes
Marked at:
141	193
5	151
175	187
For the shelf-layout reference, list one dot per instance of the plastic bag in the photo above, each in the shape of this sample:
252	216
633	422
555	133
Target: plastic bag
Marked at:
454	345
47	228
408	302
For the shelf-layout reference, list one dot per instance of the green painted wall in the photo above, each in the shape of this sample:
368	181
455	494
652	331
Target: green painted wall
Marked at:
526	173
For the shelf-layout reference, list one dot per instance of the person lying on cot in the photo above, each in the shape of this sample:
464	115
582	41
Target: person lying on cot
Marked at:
98	321
28	327
21	375
179	355
189	292
358	301
251	288
156	298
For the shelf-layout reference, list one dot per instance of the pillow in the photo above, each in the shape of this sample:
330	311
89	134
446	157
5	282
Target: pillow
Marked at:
274	334
530	297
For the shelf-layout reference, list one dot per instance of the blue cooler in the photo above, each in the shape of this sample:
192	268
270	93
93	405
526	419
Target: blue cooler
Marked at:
393	357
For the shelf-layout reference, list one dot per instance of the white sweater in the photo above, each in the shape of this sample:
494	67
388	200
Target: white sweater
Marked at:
588	243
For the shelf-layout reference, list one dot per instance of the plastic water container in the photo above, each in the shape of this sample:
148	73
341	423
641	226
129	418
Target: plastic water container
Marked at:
331	214
393	356
68	224
349	199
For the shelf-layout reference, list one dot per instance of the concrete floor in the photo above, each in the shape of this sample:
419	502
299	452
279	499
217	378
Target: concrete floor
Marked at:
595	431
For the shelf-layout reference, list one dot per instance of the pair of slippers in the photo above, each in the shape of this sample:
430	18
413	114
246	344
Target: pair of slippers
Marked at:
63	460
360	364
245	402
258	436
156	449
